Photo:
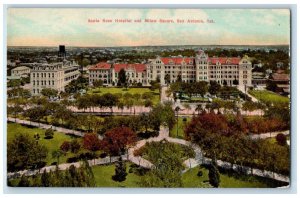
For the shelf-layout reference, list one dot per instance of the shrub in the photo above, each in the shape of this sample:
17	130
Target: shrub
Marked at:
200	173
65	147
281	139
49	133
86	156
72	159
103	155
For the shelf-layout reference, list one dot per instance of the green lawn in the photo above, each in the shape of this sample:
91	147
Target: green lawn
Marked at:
191	180
51	144
103	177
181	126
103	174
116	90
268	96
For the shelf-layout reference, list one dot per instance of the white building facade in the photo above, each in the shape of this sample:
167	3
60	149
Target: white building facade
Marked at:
54	75
109	73
224	70
20	71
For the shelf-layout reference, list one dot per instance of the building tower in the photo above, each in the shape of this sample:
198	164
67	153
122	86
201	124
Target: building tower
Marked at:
62	52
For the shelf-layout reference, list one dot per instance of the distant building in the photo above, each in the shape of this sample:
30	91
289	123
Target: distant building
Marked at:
259	65
21	71
269	71
109	73
62	51
282	81
54	75
259	79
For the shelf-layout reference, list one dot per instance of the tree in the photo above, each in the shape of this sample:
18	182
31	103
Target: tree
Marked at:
45	179
14	83
109	100
122	77
24	181
179	78
272	86
23	152
214	88
56	154
85	62
235	82
214	175
91	142
49	133
167	78
199	108
201	88
148	103
15	110
65	147
35	113
121	105
145	121
167	162
97	83
117	140
49	92
120	171
74	146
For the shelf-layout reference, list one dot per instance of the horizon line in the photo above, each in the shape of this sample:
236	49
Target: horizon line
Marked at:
149	45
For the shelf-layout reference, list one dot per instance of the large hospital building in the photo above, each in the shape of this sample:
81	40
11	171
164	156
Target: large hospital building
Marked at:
224	70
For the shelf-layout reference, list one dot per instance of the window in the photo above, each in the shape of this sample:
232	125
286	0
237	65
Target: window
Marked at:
37	75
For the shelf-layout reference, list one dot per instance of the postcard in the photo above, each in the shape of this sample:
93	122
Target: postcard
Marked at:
148	97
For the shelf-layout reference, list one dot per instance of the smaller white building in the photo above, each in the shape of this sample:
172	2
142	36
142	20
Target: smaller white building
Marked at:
20	71
54	75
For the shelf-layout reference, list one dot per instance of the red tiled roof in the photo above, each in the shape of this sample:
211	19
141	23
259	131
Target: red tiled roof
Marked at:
225	60
280	77
137	67
176	60
101	65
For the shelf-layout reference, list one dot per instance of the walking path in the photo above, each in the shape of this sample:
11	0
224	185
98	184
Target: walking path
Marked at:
242	89
64	166
268	135
47	126
163	134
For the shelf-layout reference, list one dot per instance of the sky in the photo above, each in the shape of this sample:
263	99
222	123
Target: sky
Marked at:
71	27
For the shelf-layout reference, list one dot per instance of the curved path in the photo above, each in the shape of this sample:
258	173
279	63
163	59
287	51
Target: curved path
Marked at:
47	126
163	134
